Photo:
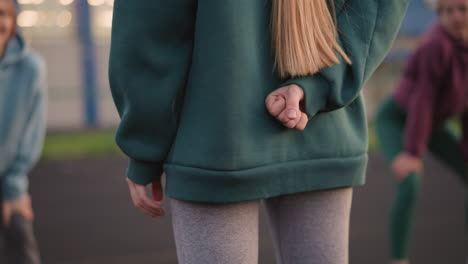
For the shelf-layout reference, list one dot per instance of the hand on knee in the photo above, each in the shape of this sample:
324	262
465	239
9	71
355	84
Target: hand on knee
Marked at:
404	164
22	206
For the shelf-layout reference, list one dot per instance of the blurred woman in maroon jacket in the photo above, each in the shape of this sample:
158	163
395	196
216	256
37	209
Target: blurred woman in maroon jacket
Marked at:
433	89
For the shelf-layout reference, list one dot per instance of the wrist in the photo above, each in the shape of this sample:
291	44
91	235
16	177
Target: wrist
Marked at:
411	156
143	173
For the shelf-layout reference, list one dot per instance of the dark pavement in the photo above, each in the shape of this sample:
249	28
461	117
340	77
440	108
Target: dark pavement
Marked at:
84	215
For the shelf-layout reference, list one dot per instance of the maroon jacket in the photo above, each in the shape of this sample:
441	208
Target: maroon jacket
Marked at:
434	87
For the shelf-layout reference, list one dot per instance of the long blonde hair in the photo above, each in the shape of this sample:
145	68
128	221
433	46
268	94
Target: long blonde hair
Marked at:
304	36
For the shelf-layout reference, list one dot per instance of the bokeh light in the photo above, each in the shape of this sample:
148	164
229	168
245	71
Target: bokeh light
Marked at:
30	2
28	18
96	2
64	18
65	2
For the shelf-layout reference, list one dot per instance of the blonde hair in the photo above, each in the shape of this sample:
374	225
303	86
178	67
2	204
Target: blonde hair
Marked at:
304	36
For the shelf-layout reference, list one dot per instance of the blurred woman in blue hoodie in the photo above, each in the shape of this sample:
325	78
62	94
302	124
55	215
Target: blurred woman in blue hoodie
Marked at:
22	126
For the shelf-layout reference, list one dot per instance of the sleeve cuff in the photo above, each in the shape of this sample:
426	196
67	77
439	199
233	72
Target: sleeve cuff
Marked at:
142	172
316	89
14	187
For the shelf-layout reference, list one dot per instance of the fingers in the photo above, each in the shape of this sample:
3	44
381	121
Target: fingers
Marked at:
6	211
289	117
151	207
275	104
294	95
399	172
399	169
292	113
299	122
26	211
403	171
25	208
302	122
143	202
293	122
156	189
21	206
403	165
285	104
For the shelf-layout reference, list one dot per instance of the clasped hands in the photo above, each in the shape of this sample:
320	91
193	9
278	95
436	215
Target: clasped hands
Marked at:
287	105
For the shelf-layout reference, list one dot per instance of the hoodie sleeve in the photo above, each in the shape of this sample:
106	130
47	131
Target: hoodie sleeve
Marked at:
366	28
151	50
15	182
428	66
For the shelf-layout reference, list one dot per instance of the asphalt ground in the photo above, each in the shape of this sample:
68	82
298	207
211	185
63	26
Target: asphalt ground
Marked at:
84	215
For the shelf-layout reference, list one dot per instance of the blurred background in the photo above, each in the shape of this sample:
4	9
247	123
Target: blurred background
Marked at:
83	211
73	36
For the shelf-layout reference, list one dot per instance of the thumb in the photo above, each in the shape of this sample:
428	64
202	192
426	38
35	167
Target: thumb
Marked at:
293	99
157	190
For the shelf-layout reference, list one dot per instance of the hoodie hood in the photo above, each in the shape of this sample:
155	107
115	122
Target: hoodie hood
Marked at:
16	49
438	32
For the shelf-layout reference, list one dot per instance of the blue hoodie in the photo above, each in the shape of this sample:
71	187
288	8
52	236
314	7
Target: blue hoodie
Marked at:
22	115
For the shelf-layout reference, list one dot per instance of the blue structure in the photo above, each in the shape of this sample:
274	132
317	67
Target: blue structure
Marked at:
90	91
418	18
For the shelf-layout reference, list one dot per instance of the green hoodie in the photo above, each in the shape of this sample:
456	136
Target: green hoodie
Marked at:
189	79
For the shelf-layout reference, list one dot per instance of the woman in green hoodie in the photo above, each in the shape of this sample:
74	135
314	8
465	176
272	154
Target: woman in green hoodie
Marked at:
242	101
22	127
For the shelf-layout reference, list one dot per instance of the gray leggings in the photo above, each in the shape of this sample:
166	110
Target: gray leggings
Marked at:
310	227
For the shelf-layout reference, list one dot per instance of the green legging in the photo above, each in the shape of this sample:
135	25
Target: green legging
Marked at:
443	144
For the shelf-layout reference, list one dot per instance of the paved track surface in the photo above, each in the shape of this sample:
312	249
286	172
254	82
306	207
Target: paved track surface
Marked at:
84	216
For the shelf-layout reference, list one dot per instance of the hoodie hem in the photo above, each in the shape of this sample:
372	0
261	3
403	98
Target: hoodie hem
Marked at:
203	185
